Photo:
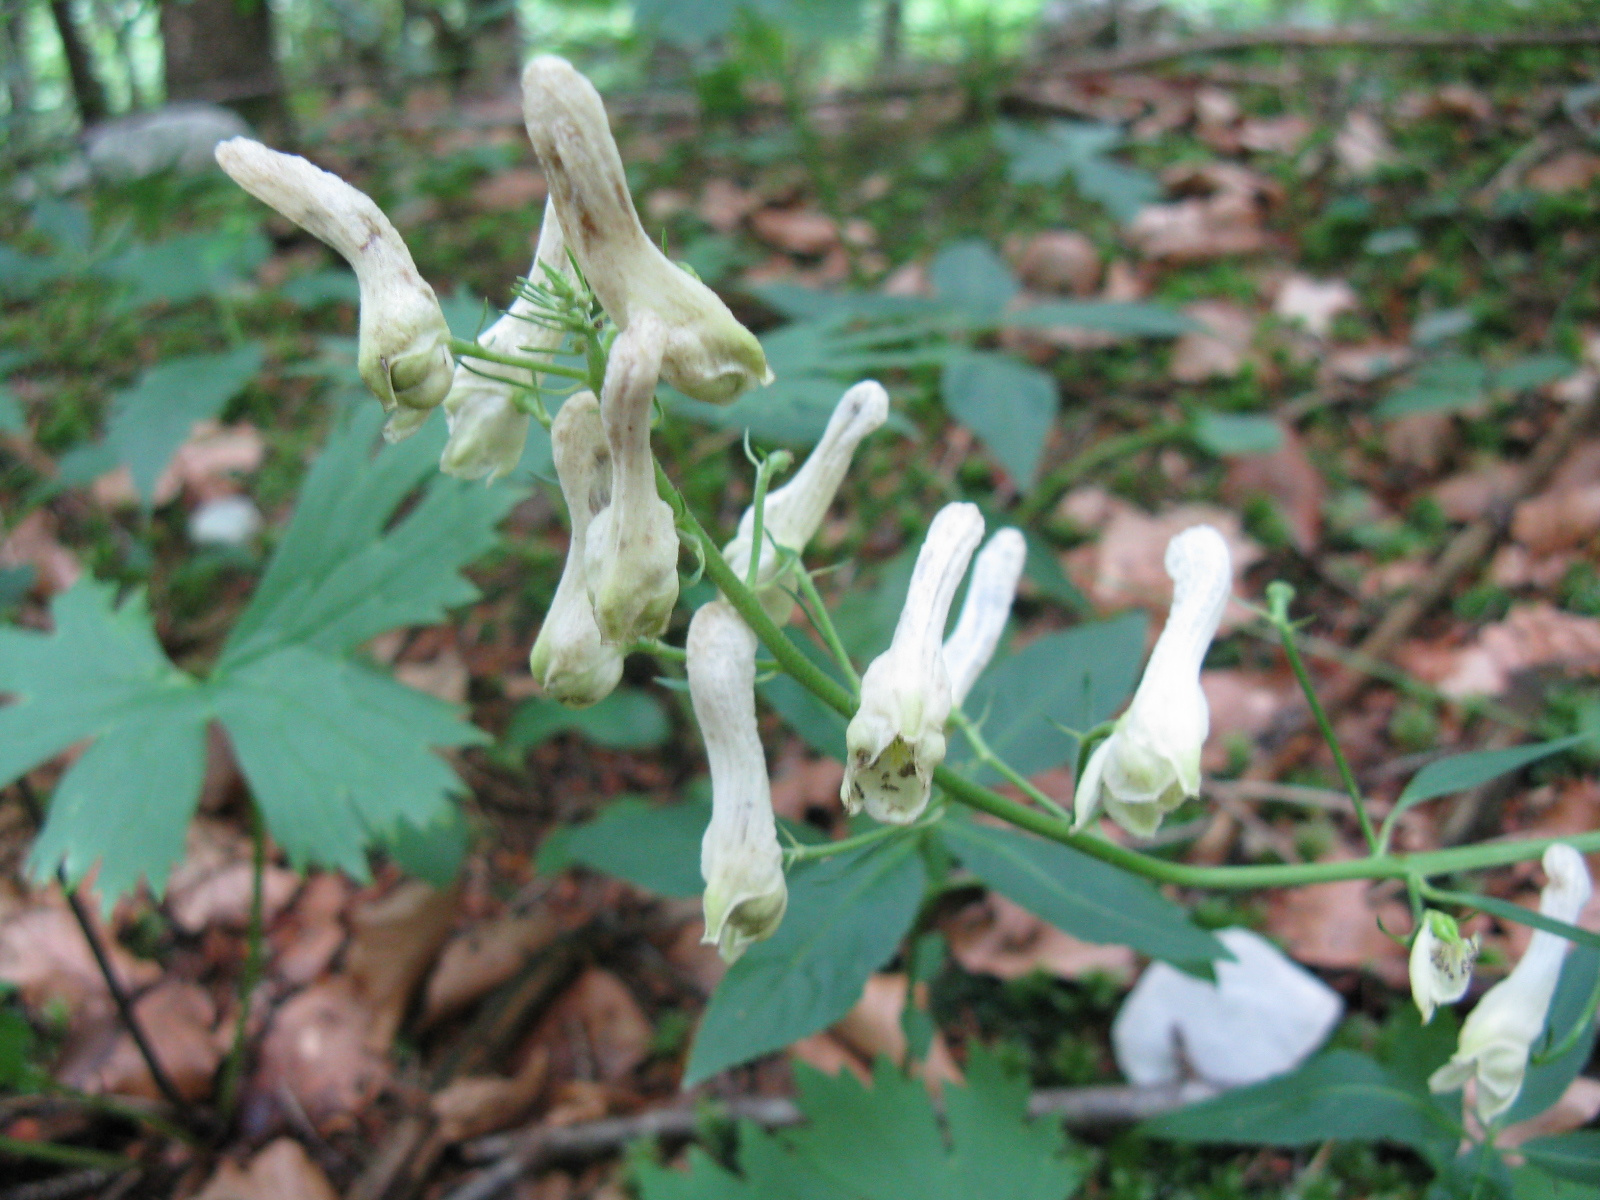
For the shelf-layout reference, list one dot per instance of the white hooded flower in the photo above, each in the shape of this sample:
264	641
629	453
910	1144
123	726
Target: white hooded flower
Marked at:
896	738
986	609
569	661
1151	762
791	514
487	429
404	352
633	543
740	857
1441	963
705	353
1497	1034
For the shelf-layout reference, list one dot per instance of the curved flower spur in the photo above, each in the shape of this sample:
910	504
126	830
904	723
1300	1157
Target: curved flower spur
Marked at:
487	427
990	593
570	661
740	858
792	514
404	342
896	738
1150	763
1498	1034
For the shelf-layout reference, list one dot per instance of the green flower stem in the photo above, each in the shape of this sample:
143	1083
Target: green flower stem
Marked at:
818	612
1278	597
660	649
1374	866
66	1156
251	975
765	470
809	853
465	349
1012	776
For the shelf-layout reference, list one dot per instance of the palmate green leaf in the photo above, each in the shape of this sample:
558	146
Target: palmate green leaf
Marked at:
1085	897
337	755
340	576
846	917
652	846
627	719
1337	1095
151	419
1007	403
100	674
972	278
886	1143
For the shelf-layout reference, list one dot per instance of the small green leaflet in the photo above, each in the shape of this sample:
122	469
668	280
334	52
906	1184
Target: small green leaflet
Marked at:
12	418
1007	403
1085	897
1462	771
1130	318
1078	148
1337	1095
1545	1082
627	719
151	419
886	1143
972	278
1229	434
652	846
846	917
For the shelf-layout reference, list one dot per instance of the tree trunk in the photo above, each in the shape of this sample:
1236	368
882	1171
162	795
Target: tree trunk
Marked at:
18	72
221	51
86	87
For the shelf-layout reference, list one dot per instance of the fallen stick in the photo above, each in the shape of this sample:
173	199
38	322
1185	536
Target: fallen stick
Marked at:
514	1155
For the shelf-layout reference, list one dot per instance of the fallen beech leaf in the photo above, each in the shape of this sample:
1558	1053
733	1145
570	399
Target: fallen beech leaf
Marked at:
1314	302
995	937
1361	146
204	465
43	954
179	1019
282	1170
317	1048
595	1031
481	958
1558	520
1473	494
795	230
908	279
443	676
1242	704
578	1101
724	204
305	939
480	1104
1196	229
32	543
872	1029
1273	135
1578	1105
1290	477
699	963
1531	636
1334	925
1221	351
516	190
801	783
393	941
1262	1017
1060	260
1365	363
222	898
1567	172
826	1053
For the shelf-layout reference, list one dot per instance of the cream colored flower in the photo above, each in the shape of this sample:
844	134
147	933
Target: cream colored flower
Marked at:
569	661
896	738
1441	963
1498	1032
740	857
984	613
705	352
404	352
1151	762
487	429
633	544
791	514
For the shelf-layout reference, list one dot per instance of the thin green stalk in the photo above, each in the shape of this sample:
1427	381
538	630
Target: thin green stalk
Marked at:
465	349
1012	776
1374	866
1049	489
251	975
1279	595
766	468
66	1156
823	623
1582	1025
660	649
809	853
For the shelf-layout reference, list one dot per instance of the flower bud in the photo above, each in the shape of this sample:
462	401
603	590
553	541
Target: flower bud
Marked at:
740	857
990	591
896	738
633	544
487	429
1151	762
569	661
706	353
1497	1034
1441	963
791	514
404	352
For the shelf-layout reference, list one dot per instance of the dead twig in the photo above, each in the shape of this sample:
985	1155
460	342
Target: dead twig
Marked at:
62	1187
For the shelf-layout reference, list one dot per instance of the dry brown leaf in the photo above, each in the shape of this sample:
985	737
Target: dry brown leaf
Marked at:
1568	172
663	204
1531	636
204	466
699	963
1365	363
516	190
1197	229
801	782
317	1049
872	1029
43	954
282	1170
795	230
393	941
1221	351
1336	925
179	1019
32	543
908	279
1273	135
995	937
1475	493
1578	1105
481	958
595	1031
1060	260
1314	303
1558	520
1290	477
826	1053
1242	704
443	676
306	938
723	204
478	1104
1361	146
223	898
